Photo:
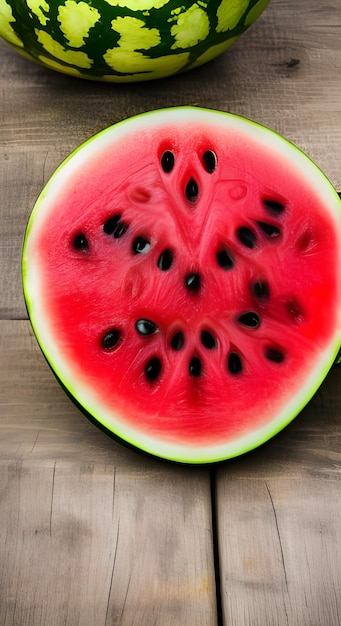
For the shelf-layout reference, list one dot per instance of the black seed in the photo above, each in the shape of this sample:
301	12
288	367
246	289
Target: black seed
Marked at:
191	190
269	229
192	282
234	363
209	160
141	245
208	340
111	339
195	367
224	259
80	242
110	224
177	341
246	236
165	260
146	327
273	206
167	161
274	354
120	229
153	369
260	290
250	319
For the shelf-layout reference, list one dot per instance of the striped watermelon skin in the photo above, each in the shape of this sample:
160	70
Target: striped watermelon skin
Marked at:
125	40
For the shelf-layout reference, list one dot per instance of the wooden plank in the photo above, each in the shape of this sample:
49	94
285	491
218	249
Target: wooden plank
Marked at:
92	532
280	541
44	115
281	551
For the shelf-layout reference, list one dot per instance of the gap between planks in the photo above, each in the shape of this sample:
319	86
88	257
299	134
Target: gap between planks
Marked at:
215	544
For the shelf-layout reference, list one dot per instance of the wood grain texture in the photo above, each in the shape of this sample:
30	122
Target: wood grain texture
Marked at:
92	533
93	544
280	546
280	542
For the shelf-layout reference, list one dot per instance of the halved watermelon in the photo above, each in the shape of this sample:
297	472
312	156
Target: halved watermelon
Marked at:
182	275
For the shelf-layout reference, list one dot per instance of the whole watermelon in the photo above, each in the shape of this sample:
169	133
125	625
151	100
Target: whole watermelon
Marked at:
124	40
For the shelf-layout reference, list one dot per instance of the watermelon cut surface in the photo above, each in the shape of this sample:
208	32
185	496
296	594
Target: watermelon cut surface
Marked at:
181	271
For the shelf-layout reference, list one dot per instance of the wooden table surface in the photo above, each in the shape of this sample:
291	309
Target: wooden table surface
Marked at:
94	534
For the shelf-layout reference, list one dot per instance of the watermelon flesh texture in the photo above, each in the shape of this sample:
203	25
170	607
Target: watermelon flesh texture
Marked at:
182	275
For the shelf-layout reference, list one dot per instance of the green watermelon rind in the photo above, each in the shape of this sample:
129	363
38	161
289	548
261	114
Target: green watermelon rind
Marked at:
114	425
103	52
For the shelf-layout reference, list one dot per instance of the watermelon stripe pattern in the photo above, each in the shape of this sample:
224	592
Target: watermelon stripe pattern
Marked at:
125	40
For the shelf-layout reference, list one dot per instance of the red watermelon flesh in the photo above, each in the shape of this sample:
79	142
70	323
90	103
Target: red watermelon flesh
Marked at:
182	275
